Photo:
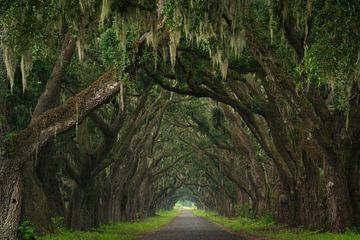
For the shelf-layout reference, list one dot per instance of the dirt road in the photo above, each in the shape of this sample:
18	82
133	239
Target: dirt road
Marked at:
187	226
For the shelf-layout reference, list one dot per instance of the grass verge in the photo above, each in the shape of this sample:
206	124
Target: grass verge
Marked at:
118	231
266	228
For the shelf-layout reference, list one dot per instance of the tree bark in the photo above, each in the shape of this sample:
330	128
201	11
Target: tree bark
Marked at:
10	171
50	96
84	208
354	182
43	128
340	208
64	117
10	198
35	204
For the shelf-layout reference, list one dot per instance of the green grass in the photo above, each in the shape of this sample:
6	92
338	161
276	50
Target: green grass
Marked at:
239	224
300	234
118	231
265	227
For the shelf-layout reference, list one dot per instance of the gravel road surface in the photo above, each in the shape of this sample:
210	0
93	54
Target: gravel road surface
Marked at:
187	226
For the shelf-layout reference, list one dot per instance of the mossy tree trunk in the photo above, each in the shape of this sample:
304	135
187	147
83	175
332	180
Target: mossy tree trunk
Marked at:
42	129
42	197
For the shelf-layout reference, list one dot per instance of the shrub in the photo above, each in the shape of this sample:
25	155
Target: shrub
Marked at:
58	222
27	231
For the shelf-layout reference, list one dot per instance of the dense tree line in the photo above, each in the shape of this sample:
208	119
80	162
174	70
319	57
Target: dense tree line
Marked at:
111	110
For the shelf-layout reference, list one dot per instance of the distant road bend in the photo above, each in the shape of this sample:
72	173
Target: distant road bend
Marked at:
187	226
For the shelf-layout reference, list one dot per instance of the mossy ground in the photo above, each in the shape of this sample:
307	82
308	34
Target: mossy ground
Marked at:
118	231
266	228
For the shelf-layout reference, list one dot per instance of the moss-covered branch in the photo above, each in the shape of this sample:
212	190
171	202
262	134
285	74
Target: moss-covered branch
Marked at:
64	117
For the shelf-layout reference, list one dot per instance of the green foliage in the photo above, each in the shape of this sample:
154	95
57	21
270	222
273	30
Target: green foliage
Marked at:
330	62
58	222
26	231
22	103
115	53
168	10
333	56
29	20
109	46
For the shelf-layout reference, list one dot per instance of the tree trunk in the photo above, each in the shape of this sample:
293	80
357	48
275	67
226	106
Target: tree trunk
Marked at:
260	199
286	206
47	171
10	199
51	94
339	203
311	189
261	206
84	209
10	170
354	183
41	129
123	205
42	198
35	206
112	208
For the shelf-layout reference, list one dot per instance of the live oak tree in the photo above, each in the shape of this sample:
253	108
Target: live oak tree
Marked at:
297	111
282	82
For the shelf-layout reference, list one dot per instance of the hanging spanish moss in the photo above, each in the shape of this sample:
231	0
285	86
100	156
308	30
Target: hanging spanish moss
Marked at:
173	43
357	71
10	63
135	19
86	5
221	62
25	65
105	10
80	50
271	19
306	20
246	113
121	30
213	26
